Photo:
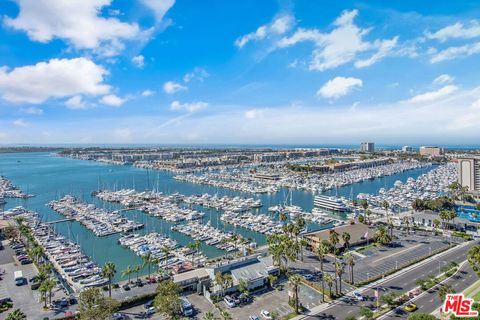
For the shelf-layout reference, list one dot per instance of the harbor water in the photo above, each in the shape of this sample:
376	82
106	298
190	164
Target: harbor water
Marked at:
49	177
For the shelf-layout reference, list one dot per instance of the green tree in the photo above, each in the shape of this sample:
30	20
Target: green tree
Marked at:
389	299
208	316
329	279
474	258
322	250
339	270
385	206
93	305
346	239
225	315
11	233
16	314
242	286
294	281
351	264
366	312
108	272
167	301
444	290
128	272
382	236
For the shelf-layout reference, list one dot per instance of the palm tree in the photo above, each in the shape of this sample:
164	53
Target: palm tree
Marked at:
406	220
16	314
137	269
444	215
390	226
444	290
282	216
208	316
351	264
329	279
198	244
473	258
225	315
346	239
294	282
128	272
368	213
333	237
339	270
148	259
381	236
109	271
386	205
435	223
322	250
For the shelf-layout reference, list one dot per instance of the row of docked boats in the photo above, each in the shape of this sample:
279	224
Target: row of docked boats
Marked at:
260	223
8	190
227	241
225	203
227	181
427	186
152	203
244	180
99	221
77	269
163	250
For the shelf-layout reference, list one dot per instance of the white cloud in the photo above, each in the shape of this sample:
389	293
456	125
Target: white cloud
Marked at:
456	52
385	47
279	26
189	107
159	7
20	123
443	79
341	45
456	31
338	87
112	100
79	22
199	74
32	110
148	93
75	102
253	113
172	87
56	78
434	95
139	61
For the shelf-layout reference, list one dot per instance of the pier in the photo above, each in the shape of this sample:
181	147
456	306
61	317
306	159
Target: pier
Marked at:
59	221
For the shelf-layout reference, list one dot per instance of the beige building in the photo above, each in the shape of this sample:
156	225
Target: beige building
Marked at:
431	151
469	173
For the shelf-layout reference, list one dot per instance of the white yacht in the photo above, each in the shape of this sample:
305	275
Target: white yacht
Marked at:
330	203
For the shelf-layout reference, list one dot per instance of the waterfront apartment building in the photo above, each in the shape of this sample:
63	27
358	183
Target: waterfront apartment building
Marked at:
407	149
469	173
431	151
367	147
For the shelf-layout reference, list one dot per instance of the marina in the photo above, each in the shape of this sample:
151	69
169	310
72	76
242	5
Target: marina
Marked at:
8	190
100	222
243	180
34	170
66	256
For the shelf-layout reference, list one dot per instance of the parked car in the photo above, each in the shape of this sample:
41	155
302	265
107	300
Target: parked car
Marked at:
253	317
266	315
150	311
126	287
229	301
26	261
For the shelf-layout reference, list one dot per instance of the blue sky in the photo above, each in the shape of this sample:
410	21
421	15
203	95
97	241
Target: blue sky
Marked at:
259	72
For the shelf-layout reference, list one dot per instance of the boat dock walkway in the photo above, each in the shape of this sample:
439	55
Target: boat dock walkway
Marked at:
59	221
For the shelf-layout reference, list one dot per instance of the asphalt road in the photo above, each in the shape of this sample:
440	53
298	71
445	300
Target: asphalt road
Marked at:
430	301
348	307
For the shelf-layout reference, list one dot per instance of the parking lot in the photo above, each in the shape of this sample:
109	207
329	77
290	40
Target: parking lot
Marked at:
376	261
22	296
